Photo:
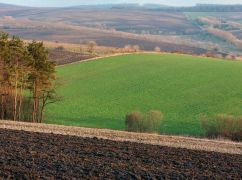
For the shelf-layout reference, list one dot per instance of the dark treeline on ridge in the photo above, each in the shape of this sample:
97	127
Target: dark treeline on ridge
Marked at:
197	8
27	79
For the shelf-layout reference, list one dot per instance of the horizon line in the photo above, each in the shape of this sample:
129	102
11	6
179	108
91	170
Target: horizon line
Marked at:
102	4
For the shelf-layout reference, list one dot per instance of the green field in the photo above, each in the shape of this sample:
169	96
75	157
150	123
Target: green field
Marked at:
196	15
100	93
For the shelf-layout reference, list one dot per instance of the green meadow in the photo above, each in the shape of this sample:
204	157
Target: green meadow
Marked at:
100	93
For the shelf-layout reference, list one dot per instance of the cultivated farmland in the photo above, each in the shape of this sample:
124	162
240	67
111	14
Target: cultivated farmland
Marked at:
26	155
100	93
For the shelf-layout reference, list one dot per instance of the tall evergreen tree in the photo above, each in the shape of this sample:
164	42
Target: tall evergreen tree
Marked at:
41	77
25	71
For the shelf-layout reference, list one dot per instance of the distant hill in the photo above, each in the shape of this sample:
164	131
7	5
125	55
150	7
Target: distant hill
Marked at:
5	5
204	8
146	25
197	8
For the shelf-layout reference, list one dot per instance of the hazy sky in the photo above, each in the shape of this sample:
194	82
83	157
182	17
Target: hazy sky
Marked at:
81	2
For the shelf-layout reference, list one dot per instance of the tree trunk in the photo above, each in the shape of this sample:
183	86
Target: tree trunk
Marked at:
22	86
15	98
34	102
2	106
20	104
44	100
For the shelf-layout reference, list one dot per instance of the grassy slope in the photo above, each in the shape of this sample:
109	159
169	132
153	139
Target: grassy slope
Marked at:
196	15
100	93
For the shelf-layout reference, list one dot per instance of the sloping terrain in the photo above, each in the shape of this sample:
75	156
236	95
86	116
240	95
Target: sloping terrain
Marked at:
64	32
220	146
106	26
65	57
100	93
118	26
29	155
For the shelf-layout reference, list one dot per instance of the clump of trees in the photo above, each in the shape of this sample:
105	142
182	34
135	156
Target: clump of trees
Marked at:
91	45
130	49
222	126
27	79
149	122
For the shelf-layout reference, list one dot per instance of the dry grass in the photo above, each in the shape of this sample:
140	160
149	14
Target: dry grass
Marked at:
223	125
221	146
77	48
228	36
74	33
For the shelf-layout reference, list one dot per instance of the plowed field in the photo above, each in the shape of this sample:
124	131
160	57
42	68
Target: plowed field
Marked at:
36	155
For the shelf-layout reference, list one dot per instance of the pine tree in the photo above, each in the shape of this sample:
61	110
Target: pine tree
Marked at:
41	77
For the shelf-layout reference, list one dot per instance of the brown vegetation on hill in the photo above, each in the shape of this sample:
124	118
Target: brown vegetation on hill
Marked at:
65	30
226	36
209	21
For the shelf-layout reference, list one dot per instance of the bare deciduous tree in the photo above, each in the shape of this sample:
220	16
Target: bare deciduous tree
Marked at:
91	46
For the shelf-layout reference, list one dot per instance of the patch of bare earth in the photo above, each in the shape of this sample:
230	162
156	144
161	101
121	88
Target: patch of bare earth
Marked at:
154	139
31	155
62	57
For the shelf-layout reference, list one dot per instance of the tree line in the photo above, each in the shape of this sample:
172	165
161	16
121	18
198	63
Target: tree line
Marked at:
202	8
27	79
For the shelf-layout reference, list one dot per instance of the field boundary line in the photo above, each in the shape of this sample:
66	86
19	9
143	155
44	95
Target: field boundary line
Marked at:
143	52
97	58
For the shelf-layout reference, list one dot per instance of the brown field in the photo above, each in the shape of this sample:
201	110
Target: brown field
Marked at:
65	57
228	36
113	27
171	141
78	34
108	27
30	155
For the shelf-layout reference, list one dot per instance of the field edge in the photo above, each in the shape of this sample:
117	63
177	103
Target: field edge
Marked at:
220	146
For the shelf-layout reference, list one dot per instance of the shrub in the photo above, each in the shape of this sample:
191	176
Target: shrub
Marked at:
222	125
157	49
225	125
60	48
91	46
153	121
237	129
209	126
133	121
139	122
136	48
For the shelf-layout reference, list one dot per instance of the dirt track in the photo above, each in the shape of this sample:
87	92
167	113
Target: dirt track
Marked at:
35	155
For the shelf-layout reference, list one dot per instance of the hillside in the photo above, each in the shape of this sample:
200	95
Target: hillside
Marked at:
100	93
114	26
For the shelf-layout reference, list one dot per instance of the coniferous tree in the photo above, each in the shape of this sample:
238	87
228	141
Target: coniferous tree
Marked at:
27	79
41	78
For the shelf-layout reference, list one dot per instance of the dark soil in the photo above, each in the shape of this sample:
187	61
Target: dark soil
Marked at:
25	155
65	57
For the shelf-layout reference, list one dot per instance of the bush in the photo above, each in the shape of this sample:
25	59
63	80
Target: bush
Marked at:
138	122
153	121
133	121
60	48
157	49
209	127
225	126
237	129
